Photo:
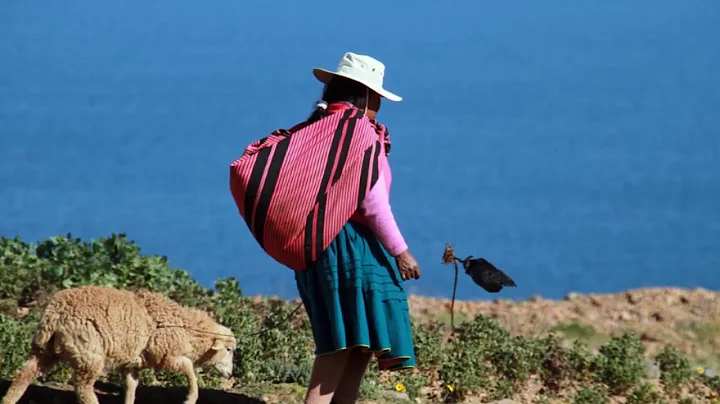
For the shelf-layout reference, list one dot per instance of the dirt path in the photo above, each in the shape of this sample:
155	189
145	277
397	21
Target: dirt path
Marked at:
107	394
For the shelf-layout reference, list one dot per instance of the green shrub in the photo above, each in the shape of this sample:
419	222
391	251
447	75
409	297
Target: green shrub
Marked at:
580	361
555	365
645	393
620	363
429	346
19	268
712	383
675	371
483	356
15	339
281	371
591	395
463	365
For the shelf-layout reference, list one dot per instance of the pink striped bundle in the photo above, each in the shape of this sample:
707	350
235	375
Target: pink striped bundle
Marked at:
296	189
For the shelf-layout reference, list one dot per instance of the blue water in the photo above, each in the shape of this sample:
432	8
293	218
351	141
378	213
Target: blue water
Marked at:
574	144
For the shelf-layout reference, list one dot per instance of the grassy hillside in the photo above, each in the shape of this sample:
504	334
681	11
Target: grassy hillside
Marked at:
483	362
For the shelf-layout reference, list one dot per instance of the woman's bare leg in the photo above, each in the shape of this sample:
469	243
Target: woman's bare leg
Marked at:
348	389
326	374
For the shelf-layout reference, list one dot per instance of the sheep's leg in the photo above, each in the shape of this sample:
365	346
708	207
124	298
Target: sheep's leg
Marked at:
33	368
86	373
185	366
131	384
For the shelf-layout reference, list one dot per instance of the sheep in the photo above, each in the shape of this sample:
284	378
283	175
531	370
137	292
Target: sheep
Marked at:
94	329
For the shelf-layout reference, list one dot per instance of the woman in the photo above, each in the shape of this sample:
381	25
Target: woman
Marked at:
349	276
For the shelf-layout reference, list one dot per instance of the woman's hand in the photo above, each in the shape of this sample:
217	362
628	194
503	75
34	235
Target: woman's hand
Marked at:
407	266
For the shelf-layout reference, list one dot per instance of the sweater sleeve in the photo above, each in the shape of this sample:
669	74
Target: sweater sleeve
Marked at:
376	212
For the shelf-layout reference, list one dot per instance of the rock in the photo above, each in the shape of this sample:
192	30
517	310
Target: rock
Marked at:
651	369
505	401
630	297
398	395
657	316
566	344
709	372
572	296
227	384
591	316
648	338
426	391
625	316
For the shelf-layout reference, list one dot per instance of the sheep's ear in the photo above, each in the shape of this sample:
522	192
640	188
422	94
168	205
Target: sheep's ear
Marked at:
217	345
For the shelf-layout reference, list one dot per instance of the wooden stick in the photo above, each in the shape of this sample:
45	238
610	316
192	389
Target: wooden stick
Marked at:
449	257
452	303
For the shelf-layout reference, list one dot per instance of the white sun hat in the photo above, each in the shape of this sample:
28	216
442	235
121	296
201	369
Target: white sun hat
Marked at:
361	68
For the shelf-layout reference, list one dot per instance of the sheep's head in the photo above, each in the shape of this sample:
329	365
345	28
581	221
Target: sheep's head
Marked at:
220	355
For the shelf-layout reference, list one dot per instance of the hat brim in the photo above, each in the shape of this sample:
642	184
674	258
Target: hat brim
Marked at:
324	76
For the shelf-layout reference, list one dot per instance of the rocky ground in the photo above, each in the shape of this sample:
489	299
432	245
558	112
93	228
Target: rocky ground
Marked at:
689	320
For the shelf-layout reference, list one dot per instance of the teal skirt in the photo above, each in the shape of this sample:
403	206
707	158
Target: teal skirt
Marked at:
354	297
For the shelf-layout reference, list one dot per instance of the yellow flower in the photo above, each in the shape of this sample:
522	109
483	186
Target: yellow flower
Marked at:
400	388
450	387
700	369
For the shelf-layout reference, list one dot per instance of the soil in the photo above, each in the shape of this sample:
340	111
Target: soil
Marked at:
108	394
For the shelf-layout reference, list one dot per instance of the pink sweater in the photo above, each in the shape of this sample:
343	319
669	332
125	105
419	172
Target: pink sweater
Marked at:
377	215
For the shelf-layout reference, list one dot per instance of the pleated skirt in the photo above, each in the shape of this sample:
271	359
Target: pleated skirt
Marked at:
354	297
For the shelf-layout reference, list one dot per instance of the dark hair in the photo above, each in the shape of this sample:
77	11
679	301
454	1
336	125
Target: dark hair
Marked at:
341	89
